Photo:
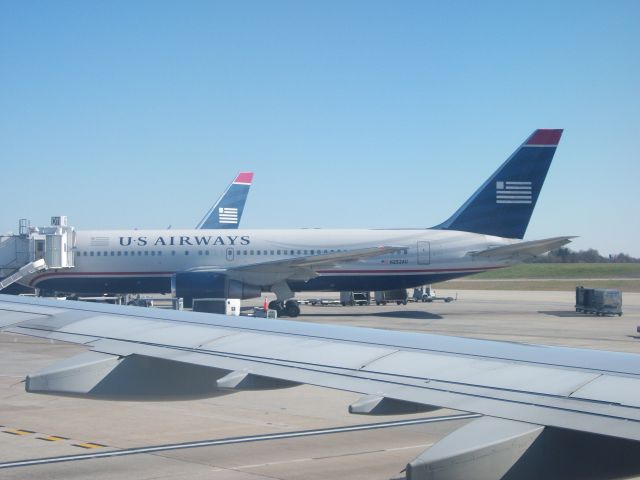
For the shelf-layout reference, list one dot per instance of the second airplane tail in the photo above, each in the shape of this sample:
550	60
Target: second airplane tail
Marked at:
503	205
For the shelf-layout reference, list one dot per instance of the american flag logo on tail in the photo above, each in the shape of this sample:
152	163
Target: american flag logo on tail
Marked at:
228	215
514	192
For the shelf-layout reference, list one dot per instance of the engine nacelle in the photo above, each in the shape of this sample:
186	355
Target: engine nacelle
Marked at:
190	285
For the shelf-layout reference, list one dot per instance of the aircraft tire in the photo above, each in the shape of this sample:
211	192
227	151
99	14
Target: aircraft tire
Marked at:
292	309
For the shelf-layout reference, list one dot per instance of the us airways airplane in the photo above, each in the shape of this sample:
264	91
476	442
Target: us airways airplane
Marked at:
485	233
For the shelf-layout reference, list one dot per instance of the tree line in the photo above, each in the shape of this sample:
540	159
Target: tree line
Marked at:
591	255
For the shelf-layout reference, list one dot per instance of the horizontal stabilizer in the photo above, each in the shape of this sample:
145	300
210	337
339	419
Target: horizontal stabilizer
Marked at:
524	249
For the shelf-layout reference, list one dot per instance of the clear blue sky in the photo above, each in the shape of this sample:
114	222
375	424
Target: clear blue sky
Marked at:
127	114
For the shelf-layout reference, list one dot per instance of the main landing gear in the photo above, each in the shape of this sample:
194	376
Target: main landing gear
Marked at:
290	308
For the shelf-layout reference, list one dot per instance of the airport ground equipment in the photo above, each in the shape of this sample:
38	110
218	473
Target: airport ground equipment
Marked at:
428	294
35	249
355	298
320	301
225	306
599	301
398	296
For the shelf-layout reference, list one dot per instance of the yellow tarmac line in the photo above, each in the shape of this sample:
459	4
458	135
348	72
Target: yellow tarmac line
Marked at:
52	438
88	445
16	431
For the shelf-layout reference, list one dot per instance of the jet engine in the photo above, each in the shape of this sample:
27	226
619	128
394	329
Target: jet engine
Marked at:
190	285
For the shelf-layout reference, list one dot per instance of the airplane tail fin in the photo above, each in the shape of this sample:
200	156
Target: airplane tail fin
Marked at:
503	205
227	211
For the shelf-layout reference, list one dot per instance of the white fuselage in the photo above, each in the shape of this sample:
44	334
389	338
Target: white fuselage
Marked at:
136	261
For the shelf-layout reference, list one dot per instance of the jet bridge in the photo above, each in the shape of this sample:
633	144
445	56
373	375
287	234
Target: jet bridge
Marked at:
36	248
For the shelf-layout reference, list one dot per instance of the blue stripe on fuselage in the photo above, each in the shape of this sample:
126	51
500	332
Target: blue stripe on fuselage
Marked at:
101	285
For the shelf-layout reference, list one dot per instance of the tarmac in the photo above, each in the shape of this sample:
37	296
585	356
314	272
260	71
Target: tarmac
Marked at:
298	433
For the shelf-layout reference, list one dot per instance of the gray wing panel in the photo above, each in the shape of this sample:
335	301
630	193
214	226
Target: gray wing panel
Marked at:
561	412
517	382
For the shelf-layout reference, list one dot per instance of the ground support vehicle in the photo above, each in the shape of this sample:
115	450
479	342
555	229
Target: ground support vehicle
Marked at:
355	298
399	296
598	301
428	294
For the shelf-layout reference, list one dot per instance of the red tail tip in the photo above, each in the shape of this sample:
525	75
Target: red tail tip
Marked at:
545	137
244	177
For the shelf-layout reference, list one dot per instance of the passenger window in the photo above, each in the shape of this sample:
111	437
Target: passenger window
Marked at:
206	252
146	253
257	252
119	253
186	252
153	253
126	254
264	252
112	253
173	252
98	254
199	252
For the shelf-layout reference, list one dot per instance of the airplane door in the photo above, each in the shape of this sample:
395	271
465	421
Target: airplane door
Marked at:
230	254
424	253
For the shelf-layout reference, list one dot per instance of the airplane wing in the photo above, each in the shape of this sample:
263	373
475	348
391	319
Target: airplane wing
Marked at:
524	249
548	412
300	267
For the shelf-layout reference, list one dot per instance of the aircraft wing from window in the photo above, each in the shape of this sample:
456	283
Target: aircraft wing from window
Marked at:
548	412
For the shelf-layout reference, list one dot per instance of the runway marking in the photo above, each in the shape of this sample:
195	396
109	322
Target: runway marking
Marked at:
88	445
52	438
236	440
17	431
